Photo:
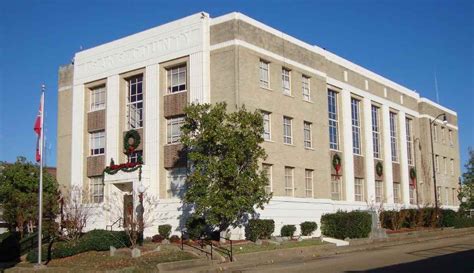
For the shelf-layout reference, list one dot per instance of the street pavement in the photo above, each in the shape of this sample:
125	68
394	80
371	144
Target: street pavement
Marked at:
448	255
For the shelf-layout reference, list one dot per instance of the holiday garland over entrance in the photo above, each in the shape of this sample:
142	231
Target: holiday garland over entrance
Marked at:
131	141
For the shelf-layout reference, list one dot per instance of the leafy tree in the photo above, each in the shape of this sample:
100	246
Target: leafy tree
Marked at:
19	194
225	183
466	194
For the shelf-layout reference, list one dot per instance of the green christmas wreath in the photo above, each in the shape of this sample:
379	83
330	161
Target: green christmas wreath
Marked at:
412	174
130	146
336	162
379	169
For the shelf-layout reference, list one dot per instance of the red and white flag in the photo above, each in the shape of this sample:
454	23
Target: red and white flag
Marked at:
38	128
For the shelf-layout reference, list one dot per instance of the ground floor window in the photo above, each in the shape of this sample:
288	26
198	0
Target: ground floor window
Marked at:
268	171
378	191
96	189
176	182
289	181
359	189
396	193
412	195
336	187
308	177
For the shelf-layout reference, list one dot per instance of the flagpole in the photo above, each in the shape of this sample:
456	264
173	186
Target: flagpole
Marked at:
40	209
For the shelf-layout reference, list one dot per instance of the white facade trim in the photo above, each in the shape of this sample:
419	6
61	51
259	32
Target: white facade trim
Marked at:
112	130
405	186
347	154
77	138
447	110
369	150
387	155
152	123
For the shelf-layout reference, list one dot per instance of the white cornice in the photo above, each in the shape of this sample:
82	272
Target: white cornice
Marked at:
447	110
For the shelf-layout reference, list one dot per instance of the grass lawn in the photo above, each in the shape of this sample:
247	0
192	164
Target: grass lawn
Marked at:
251	247
101	261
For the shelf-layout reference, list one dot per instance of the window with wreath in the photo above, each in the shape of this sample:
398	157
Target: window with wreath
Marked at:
176	78
333	120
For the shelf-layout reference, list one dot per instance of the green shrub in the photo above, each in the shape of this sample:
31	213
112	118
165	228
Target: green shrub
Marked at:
463	222
447	217
287	230
174	239
408	217
307	228
195	227
259	229
341	225
9	246
98	240
165	231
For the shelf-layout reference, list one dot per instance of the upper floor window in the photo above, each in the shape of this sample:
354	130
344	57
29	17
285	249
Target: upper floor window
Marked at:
408	124
287	131
306	88
285	81
443	140
333	120
264	74
266	126
393	136
135	102
177	79
267	168
452	166
437	163
97	98
97	143
355	114
445	165
450	135
307	134
376	132
435	132
136	156
174	129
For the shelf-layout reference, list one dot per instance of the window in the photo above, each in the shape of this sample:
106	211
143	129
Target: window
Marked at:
396	193
379	191
98	98
285	81
393	136
435	132
376	132
305	83
412	195
452	166
287	139
174	129
446	199
267	168
450	135
97	143
333	120
359	189
289	181
454	196
177	79
308	179
437	163
442	135
438	189
96	189
355	113
307	134
408	123
266	126
177	182
336	187
135	102
445	164
264	74
136	156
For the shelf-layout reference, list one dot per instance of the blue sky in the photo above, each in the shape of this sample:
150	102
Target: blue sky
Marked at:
405	41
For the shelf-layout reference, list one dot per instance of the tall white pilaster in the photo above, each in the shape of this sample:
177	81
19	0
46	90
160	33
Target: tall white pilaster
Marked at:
348	157
112	130
403	159
152	123
387	156
369	150
77	149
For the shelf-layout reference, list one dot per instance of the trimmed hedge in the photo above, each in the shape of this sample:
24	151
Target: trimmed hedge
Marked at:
411	218
307	228
463	222
287	230
259	229
165	231
98	240
341	225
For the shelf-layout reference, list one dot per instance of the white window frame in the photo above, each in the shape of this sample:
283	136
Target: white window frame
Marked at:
450	135
437	163
308	178
307	134
375	111
445	163
452	166
289	181
135	155
268	168
171	175
396	193
264	69
446	195
412	195
408	124
287	130
171	135
393	136
336	188
439	193
356	136
333	118
286	81
176	72
96	186
306	87
98	98
379	193
135	104
435	133
97	143
267	125
443	140
358	189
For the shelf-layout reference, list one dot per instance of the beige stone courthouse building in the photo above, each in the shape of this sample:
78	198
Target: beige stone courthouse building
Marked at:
338	136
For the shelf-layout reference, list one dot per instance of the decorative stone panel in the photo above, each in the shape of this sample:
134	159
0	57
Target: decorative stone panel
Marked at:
96	121
396	172
174	104
174	156
359	166
95	165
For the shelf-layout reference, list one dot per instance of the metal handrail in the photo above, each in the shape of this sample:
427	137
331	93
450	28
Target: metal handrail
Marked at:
228	252
113	224
205	241
202	243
